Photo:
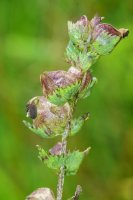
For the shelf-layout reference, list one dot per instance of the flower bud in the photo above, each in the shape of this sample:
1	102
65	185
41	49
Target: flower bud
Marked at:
56	149
48	117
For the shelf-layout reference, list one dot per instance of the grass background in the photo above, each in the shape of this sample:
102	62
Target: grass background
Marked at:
33	37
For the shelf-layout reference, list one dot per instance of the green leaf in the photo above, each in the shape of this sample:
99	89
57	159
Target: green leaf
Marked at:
43	155
105	43
79	31
72	52
77	124
55	162
83	59
63	95
52	161
75	33
70	161
39	131
86	60
87	90
73	161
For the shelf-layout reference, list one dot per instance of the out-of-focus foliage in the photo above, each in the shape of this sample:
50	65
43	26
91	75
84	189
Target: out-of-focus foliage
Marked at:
33	38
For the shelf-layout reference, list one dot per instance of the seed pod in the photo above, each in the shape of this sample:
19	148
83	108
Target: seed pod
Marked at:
41	194
61	86
48	117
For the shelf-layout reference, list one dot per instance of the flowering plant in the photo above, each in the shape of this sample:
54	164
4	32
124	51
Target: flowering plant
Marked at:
52	113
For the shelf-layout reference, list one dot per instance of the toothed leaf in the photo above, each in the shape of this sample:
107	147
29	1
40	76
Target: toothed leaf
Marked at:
39	131
63	95
52	161
72	52
87	90
55	162
73	161
78	32
105	43
86	60
70	161
77	124
43	155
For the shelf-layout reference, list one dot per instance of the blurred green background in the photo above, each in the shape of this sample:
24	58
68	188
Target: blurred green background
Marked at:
33	37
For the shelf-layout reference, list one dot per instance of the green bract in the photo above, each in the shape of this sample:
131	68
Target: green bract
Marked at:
91	39
70	161
72	53
79	31
104	43
77	124
85	92
63	95
39	131
60	86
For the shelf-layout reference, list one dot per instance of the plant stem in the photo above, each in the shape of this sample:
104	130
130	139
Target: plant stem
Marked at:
64	151
60	184
62	170
77	192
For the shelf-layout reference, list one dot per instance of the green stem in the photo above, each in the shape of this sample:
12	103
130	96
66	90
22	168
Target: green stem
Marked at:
64	151
62	169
